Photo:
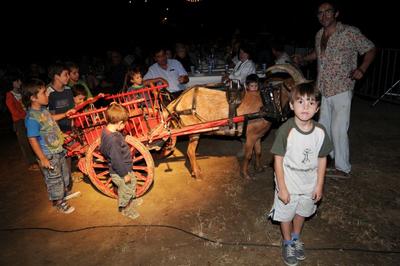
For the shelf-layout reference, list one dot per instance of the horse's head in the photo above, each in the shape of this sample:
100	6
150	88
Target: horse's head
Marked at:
277	87
234	91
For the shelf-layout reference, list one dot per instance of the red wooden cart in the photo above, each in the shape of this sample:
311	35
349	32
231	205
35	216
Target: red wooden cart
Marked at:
147	129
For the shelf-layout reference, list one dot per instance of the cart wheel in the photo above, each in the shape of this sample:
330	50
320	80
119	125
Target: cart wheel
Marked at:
97	168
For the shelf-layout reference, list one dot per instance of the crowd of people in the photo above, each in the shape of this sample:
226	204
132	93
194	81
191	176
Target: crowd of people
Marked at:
301	149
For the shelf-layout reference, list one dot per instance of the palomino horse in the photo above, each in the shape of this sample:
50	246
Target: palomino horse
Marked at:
199	104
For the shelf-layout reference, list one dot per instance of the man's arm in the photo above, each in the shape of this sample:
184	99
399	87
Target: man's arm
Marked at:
183	75
300	59
183	79
359	72
310	57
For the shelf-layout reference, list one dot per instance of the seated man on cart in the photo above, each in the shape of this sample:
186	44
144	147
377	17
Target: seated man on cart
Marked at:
169	69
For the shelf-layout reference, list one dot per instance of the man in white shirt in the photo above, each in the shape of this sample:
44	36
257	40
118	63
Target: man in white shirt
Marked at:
169	69
244	67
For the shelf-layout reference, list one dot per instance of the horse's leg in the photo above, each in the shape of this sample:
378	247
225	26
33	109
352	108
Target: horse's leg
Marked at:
248	152
257	151
191	153
254	133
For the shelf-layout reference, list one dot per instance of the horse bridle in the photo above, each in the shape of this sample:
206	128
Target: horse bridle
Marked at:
271	97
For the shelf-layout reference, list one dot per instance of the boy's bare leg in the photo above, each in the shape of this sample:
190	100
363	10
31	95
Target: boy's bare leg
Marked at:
286	229
298	222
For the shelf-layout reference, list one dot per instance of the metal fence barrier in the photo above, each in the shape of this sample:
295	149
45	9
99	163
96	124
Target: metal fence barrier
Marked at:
383	73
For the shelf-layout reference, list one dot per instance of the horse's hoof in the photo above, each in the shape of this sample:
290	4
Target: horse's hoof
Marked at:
246	177
197	177
260	170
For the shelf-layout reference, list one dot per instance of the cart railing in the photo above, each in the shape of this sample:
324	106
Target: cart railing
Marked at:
143	107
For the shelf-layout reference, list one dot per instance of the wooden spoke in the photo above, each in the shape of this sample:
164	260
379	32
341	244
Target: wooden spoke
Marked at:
138	167
137	159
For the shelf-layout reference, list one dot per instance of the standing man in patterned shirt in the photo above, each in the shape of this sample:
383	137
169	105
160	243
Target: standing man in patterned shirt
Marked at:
337	47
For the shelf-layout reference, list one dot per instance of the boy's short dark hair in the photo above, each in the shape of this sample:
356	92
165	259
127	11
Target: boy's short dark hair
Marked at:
308	89
252	78
31	88
57	69
133	71
71	65
78	89
116	113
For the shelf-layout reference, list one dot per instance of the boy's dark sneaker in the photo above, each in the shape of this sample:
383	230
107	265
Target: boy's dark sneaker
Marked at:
338	174
63	207
299	249
289	255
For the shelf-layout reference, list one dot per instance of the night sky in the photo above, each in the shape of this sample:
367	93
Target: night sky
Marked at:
73	28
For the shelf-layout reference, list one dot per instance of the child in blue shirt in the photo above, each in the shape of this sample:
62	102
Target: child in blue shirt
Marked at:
46	140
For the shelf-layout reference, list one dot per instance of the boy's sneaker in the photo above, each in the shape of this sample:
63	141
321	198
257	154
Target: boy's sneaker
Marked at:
137	202
289	255
338	174
299	249
130	213
70	195
63	207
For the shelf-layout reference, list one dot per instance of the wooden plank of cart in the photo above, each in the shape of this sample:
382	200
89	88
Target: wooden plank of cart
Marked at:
146	130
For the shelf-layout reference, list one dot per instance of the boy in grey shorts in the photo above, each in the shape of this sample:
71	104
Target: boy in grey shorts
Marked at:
46	140
300	150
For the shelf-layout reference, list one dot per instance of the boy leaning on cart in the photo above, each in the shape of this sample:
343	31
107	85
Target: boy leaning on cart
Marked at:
46	140
114	147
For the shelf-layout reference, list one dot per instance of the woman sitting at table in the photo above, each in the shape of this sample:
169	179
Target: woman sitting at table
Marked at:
244	67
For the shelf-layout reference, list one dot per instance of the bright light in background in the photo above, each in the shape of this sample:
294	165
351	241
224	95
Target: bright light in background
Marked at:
133	1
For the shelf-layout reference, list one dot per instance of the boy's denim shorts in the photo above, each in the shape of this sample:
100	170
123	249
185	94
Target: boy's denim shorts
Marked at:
57	179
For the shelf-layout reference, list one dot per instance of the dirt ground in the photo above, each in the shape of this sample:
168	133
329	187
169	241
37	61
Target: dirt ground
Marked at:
217	221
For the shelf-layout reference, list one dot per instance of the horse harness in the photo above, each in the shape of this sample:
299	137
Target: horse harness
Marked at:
272	109
192	111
